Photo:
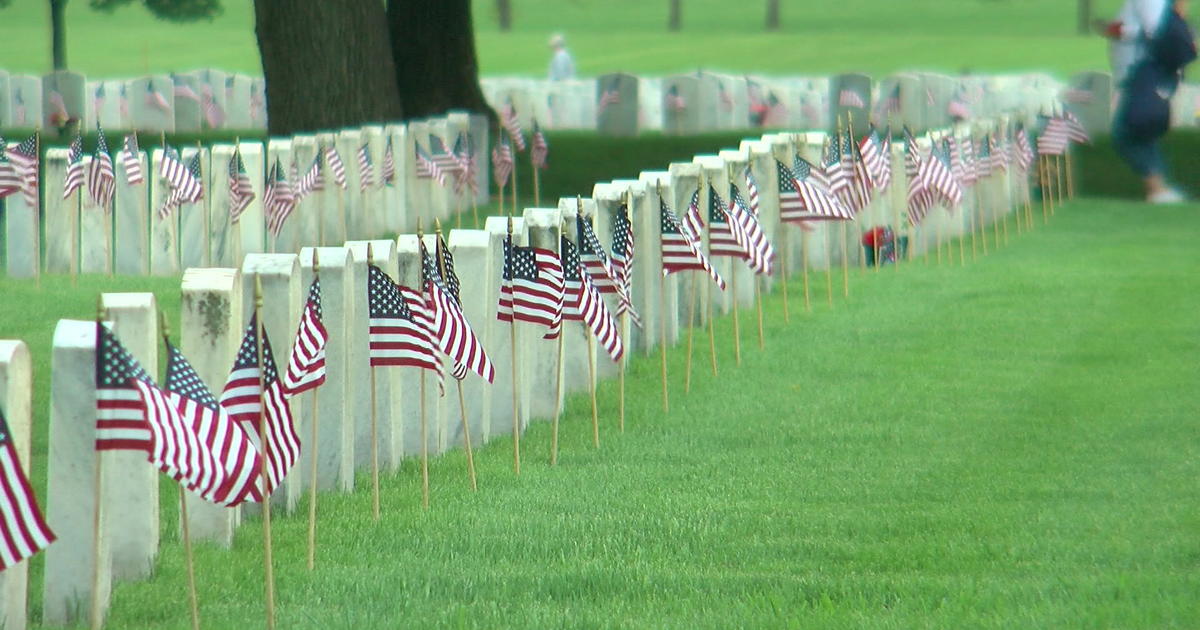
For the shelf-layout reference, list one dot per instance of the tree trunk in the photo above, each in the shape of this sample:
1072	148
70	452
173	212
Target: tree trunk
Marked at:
675	15
327	63
772	15
58	33
504	14
1085	17
433	47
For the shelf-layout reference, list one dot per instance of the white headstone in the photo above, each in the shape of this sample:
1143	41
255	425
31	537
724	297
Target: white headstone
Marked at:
188	110
132	216
348	143
63	98
23	236
500	334
16	398
26	104
652	292
408	274
62	215
194	250
279	153
541	354
152	104
95	231
473	265
237	101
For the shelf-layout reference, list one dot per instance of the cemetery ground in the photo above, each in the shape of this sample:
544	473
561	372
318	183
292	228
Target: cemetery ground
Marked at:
1005	443
628	35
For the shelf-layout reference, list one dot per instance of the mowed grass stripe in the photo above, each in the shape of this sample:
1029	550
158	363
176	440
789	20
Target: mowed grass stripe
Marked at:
1005	444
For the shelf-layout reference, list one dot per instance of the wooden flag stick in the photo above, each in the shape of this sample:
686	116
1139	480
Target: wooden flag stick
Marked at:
995	225
591	345
662	324
1070	178
624	325
512	332
341	196
312	473
187	553
558	395
845	261
462	403
785	260
374	424
804	245
829	267
109	214
1043	174
96	617
265	439
762	344
37	219
712	336
537	187
76	203
737	332
206	240
1058	178
424	447
691	324
975	221
514	180
938	234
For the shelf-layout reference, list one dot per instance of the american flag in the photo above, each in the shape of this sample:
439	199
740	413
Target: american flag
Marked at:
155	99
241	193
306	366
389	164
802	199
539	149
622	263
183	90
609	96
1022	152
508	118
400	325
1000	153
680	251
850	98
594	258
131	159
313	179
861	187
752	190
183	179
195	440
451	331
693	220
23	531
835	176
120	413
675	101
73	178
877	163
532	287
464	154
891	104
502	161
24	161
582	301
279	198
1054	138
366	169
336	166
10	182
102	180
725	238
252	392
1081	95
920	197
213	114
970	166
426	167
759	253
935	171
983	159
444	162
1075	130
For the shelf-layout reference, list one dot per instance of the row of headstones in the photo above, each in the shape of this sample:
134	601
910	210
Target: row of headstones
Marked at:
186	102
625	104
216	304
133	240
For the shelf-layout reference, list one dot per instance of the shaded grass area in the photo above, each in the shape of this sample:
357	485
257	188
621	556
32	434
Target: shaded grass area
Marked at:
618	35
1005	444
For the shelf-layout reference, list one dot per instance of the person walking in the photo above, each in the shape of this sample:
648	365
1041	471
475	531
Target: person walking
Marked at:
1151	44
562	66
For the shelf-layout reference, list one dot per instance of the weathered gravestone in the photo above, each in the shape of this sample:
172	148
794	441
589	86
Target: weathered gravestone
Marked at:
850	98
419	190
728	98
279	275
95	231
902	103
164	231
940	91
655	298
394	209
372	205
336	409
481	151
349	141
333	198
130	482
62	215
684	113
26	103
16	399
210	332
77	579
617	105
188	108
237	101
106	104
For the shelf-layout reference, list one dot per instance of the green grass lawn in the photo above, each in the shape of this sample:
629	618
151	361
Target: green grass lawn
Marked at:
607	35
1006	444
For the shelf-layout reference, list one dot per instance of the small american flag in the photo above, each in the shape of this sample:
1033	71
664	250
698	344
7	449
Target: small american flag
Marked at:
102	180
539	149
279	198
453	333
759	253
622	263
254	393
724	98
752	190
582	302
1000	153
693	221
801	199
155	99
445	164
891	104
508	117
876	162
389	164
18	109
241	192
10	182
937	176
123	104
725	238
464	154
1075	129
183	90
680	251
183	179
131	159
608	97
850	98
532	287
73	179
213	114
366	170
675	101
400	325
306	367
23	531
983	159
120	414
593	257
313	179
24	161
336	166
1022	152
920	197
1054	138
502	161
426	167
836	177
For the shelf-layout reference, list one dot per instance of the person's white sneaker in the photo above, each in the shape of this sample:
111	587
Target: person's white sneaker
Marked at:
1167	196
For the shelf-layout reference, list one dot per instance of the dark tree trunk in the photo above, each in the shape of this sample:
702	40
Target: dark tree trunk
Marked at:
772	15
433	48
327	63
58	33
675	15
504	14
1085	17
